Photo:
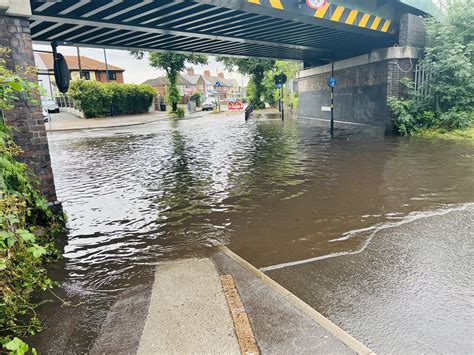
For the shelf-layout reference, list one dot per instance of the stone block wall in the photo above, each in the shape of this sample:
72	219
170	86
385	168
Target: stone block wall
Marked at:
364	85
360	95
27	118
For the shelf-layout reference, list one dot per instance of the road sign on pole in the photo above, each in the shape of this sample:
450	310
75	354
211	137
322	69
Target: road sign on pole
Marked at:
280	79
332	82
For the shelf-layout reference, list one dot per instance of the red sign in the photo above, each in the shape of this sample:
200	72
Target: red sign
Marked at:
316	4
235	106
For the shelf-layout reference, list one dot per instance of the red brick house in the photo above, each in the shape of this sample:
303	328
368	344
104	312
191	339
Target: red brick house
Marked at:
91	69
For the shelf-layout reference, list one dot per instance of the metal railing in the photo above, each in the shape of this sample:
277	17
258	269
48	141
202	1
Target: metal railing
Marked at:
422	81
248	112
65	101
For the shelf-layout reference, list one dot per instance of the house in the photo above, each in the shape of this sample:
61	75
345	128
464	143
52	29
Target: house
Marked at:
205	84
91	70
161	84
218	86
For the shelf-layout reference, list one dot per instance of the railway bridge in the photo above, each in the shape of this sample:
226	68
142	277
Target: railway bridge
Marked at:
372	43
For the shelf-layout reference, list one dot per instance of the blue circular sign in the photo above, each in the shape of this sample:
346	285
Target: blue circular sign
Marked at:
332	82
218	84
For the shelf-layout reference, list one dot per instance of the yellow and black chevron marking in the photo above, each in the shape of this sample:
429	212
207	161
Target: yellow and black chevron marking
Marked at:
341	14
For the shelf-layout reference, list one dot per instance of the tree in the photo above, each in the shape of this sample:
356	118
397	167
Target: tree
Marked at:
256	68
449	62
449	58
271	94
172	64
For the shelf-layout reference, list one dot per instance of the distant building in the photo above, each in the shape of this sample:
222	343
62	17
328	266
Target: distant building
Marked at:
91	70
206	84
161	84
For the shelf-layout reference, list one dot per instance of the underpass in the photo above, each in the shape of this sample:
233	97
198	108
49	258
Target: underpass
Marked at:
373	45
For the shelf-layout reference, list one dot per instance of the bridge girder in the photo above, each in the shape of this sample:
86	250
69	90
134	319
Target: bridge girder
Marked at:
258	28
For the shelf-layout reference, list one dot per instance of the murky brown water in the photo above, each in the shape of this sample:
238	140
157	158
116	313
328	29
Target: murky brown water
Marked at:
275	193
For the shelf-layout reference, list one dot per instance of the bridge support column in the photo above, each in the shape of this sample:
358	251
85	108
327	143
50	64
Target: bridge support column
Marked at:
27	118
364	85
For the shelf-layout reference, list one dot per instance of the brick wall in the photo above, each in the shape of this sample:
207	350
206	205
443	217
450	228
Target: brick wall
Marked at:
102	77
412	31
30	134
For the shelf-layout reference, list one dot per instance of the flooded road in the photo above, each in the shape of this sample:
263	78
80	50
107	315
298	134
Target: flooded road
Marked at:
276	194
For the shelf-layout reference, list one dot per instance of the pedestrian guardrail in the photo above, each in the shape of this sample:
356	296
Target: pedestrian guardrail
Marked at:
248	111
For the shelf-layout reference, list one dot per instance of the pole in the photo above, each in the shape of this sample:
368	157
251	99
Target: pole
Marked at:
332	100
282	104
106	65
79	62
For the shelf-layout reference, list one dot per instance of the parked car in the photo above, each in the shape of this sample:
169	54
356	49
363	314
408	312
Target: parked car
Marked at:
209	104
50	105
45	114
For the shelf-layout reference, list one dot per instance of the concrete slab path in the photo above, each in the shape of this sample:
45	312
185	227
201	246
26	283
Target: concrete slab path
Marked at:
188	312
185	311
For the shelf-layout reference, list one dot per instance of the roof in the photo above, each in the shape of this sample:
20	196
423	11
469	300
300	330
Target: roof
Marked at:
73	63
211	80
193	79
160	81
163	80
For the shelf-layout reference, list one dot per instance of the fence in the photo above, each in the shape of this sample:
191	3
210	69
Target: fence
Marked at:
65	101
422	81
67	104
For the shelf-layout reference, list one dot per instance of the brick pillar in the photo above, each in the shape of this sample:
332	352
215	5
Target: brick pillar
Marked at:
412	31
398	69
30	133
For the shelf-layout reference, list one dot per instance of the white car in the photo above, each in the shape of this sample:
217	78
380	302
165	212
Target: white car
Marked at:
209	104
45	114
50	105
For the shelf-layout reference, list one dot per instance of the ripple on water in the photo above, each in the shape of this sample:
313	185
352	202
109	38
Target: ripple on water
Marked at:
277	192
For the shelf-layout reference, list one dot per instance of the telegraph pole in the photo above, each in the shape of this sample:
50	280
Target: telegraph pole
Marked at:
79	62
106	65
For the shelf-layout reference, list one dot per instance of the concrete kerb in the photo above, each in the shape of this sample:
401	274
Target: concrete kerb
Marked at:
339	333
103	127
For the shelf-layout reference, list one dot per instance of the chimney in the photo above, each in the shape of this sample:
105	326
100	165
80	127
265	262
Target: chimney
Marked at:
207	73
220	75
190	71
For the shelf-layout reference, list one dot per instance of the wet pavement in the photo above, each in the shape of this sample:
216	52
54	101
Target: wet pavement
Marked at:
274	192
409	289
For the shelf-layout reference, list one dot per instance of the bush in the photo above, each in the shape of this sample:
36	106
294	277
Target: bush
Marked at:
449	62
197	98
180	112
27	226
97	99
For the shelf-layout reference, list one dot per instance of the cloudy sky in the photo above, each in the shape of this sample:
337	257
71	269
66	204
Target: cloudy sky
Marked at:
137	71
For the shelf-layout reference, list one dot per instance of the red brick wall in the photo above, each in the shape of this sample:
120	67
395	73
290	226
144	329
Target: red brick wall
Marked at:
161	90
30	134
102	77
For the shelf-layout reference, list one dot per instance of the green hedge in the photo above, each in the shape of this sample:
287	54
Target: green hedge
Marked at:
97	99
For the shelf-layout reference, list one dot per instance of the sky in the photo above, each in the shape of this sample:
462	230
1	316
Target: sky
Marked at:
138	71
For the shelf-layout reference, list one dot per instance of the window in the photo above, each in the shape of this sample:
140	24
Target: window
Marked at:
86	75
112	75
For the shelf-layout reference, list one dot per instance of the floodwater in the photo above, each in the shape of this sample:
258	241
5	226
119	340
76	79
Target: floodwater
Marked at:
343	222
